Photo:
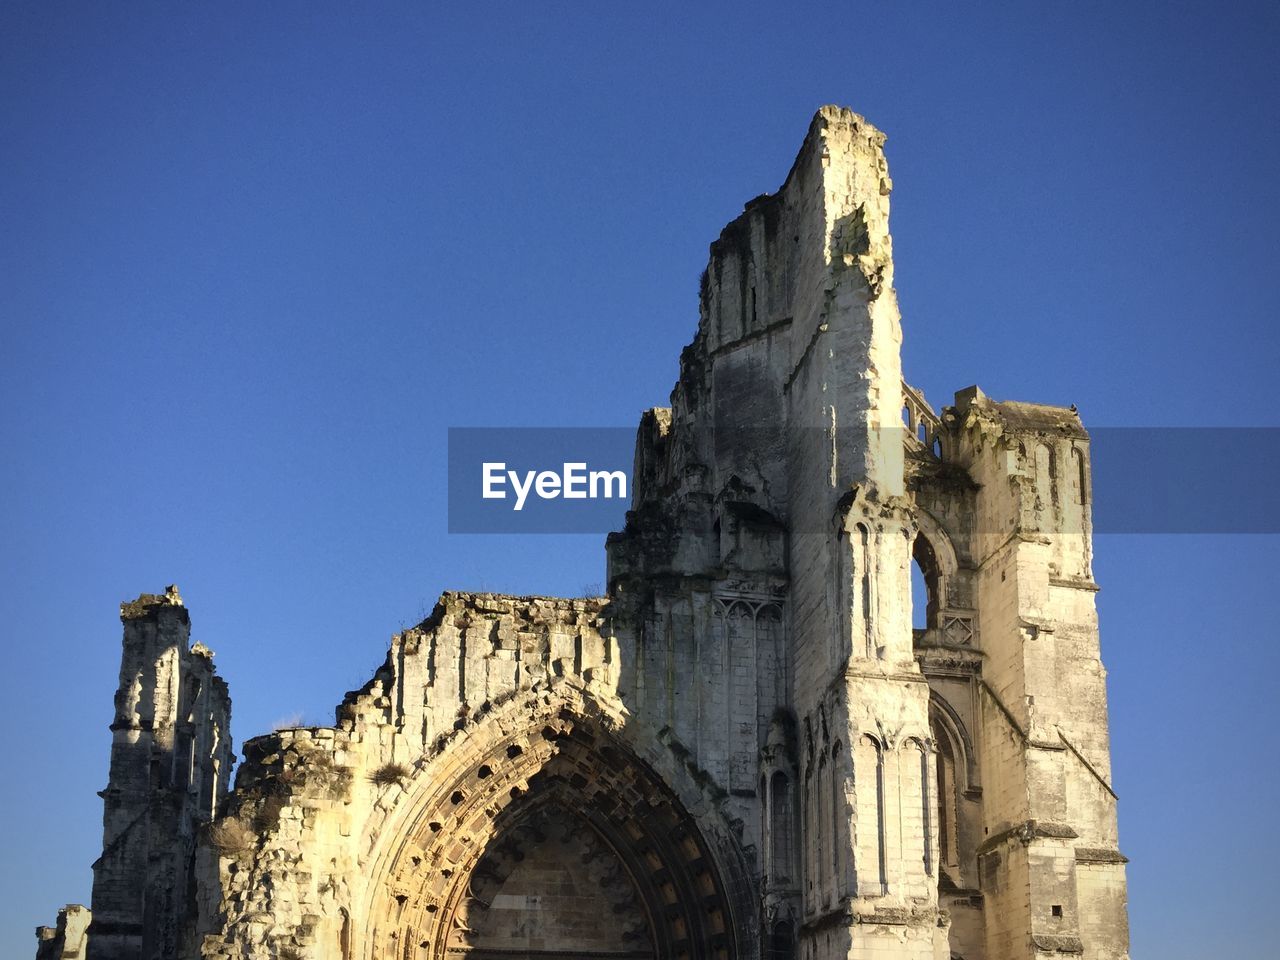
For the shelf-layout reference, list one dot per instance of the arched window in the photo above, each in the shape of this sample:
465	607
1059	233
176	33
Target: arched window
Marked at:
1046	474
914	778
781	944
950	774
869	769
843	566
822	817
839	823
926	812
810	825
766	835
1081	475
781	830
926	585
864	586
946	791
211	788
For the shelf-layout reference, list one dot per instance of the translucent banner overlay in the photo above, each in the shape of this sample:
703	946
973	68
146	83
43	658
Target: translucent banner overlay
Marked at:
1186	479
515	466
1144	479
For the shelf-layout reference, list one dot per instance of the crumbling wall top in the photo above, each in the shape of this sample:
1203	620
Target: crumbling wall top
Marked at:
150	604
1016	416
536	609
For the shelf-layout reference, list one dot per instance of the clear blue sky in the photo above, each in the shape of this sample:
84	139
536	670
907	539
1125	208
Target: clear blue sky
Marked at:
256	258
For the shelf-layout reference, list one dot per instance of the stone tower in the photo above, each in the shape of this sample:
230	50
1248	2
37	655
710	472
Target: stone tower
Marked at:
777	490
171	763
745	751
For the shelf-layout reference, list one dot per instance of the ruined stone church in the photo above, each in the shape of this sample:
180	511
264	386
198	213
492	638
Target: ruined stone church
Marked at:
745	751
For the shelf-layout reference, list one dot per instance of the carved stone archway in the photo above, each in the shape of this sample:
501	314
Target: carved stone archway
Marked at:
560	784
551	884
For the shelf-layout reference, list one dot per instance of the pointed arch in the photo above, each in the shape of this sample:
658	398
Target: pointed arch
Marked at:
955	773
1080	475
873	878
866	602
935	555
839	823
443	847
917	801
782	842
947	725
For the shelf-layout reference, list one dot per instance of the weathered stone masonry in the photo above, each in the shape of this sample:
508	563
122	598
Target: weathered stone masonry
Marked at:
744	751
171	761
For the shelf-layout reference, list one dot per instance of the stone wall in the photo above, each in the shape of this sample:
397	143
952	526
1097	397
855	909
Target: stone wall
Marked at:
363	839
69	938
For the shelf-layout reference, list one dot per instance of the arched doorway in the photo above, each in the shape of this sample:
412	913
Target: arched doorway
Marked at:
550	885
555	841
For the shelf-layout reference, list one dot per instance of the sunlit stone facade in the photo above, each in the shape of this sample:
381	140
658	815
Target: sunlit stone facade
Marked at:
744	750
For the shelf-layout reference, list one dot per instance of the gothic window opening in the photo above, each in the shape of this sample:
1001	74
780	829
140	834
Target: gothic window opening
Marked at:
809	831
843	567
822	817
869	769
881	852
926	585
926	814
781	944
947	759
211	789
766	825
838	824
1046	476
919	589
1081	476
864	588
781	830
